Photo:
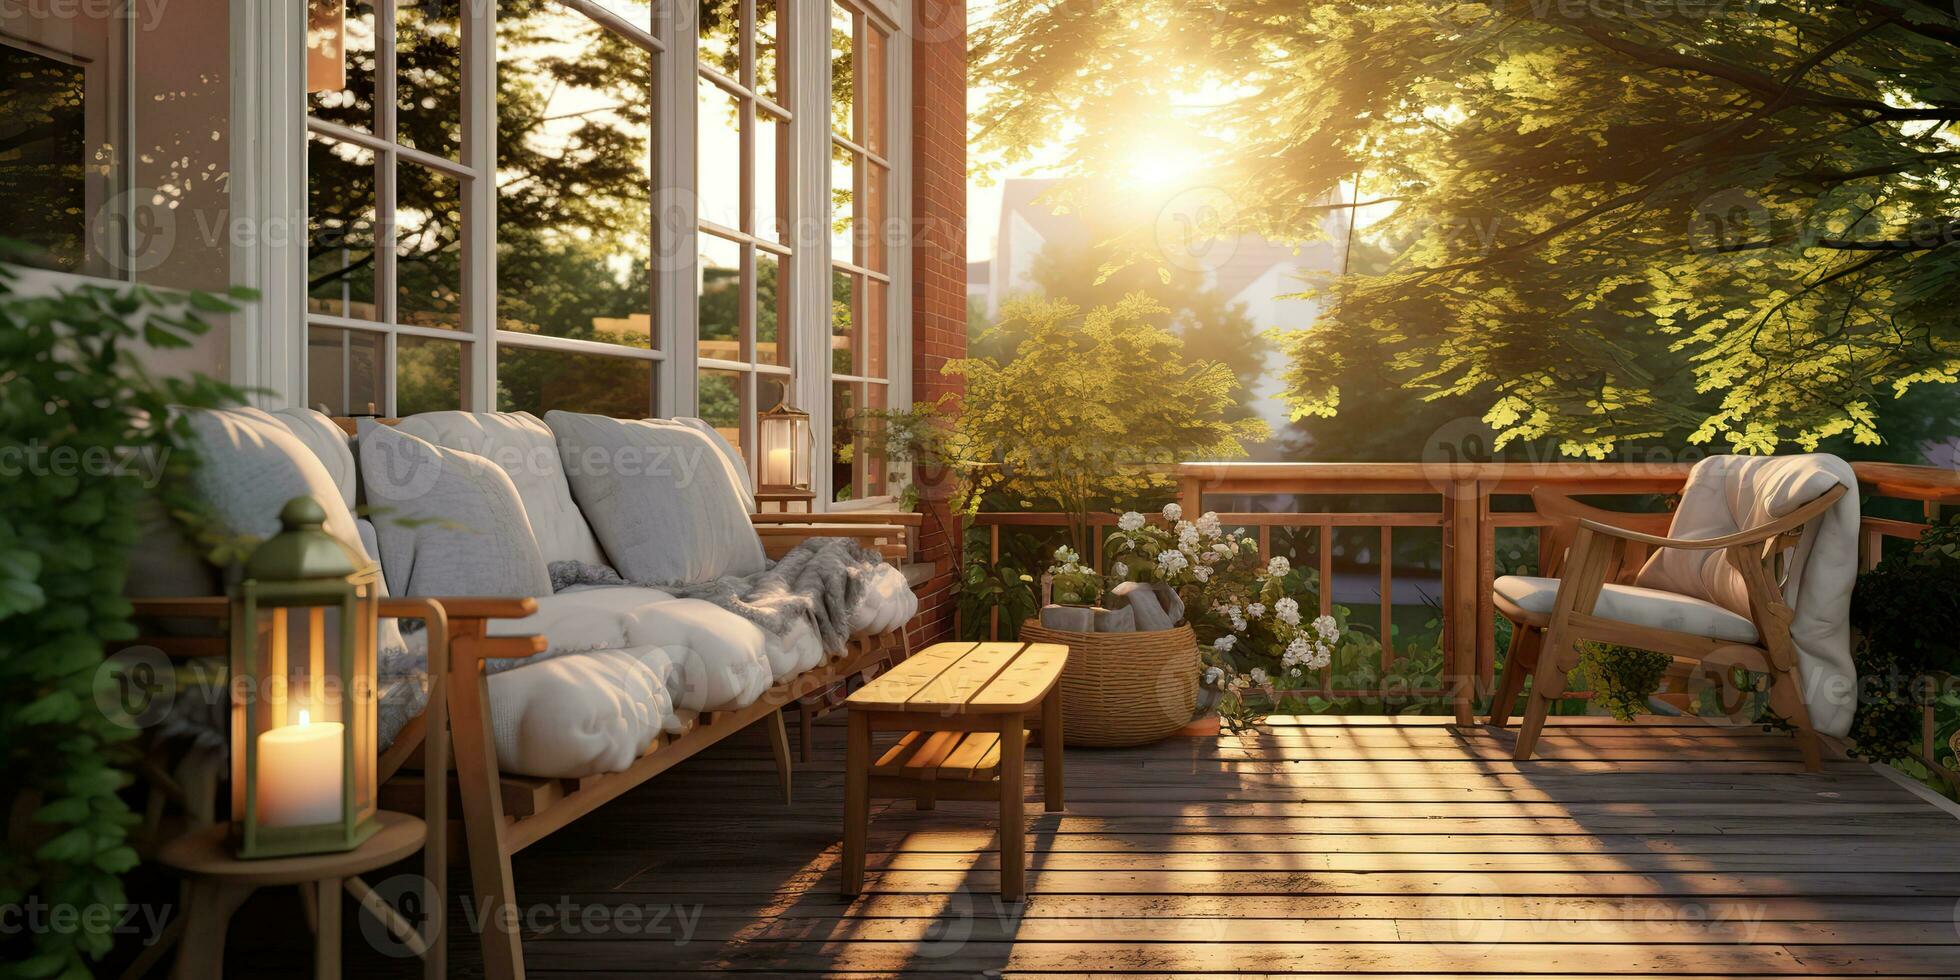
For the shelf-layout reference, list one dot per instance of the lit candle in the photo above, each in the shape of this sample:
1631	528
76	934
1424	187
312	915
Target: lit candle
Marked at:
300	774
778	467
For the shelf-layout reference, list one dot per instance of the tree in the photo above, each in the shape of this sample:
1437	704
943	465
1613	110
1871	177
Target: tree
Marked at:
1730	223
1094	406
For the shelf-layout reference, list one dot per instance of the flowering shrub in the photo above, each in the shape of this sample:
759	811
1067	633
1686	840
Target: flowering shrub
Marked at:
1246	612
1070	583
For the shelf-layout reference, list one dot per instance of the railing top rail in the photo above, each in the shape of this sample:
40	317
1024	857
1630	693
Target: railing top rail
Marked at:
1888	479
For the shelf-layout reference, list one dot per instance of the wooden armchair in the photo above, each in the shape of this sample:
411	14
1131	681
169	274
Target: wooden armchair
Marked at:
1593	555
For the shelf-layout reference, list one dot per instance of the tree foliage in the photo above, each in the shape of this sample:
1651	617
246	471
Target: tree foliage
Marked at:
1094	406
1734	222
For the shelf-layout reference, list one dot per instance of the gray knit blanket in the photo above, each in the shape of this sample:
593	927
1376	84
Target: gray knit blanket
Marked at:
820	582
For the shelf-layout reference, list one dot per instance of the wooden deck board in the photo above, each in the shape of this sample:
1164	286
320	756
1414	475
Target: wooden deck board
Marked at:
1316	848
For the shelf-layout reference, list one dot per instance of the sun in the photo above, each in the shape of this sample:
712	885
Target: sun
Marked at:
1160	162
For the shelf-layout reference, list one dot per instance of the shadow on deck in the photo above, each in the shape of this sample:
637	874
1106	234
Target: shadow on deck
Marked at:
1317	846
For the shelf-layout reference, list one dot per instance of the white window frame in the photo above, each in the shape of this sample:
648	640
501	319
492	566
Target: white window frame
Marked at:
269	186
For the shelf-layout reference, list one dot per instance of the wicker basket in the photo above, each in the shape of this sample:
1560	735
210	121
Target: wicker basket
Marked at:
1124	688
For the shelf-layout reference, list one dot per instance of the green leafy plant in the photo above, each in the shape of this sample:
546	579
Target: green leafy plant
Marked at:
1622	678
1907	616
1069	583
72	387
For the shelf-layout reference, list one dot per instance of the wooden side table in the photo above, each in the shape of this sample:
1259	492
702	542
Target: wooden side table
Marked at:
965	707
220	883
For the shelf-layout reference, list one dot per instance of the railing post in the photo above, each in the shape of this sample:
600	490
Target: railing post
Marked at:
1461	547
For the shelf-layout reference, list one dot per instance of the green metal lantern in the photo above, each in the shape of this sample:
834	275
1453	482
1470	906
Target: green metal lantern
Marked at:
303	725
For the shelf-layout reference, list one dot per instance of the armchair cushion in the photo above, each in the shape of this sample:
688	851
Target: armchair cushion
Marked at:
737	467
660	498
524	446
1727	494
449	523
1632	604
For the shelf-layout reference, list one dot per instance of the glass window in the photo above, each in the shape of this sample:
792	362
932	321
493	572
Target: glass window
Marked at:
340	226
536	380
430	375
346	371
742	162
860	330
429	75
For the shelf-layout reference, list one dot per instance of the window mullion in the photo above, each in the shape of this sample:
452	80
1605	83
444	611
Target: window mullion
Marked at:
479	300
807	27
676	211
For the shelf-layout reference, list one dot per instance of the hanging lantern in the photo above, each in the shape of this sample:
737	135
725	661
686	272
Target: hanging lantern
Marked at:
784	435
303	731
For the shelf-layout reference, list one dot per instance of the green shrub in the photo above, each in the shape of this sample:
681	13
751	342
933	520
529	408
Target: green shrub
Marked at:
1622	678
71	387
1907	616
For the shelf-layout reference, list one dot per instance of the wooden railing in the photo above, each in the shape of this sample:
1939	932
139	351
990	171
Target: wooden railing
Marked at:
1456	499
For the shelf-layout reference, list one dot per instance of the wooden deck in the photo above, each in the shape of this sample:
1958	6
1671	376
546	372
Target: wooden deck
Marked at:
1316	847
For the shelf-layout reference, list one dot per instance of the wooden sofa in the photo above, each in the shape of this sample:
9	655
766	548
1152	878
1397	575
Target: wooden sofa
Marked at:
503	814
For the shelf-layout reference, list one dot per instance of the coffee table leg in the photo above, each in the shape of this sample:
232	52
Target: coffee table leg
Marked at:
1013	830
1051	751
326	937
857	801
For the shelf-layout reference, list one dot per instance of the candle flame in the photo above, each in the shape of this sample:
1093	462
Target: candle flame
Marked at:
302	717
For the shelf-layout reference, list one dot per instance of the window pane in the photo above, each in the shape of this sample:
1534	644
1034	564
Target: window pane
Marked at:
340	63
720	290
718	157
843	445
870	439
771	343
871	216
873	320
182	94
340	229
43	183
430	375
428	249
721	34
871	95
772	143
343	371
843	311
771	390
722	402
429	75
767	58
540	381
574	171
843	205
843	31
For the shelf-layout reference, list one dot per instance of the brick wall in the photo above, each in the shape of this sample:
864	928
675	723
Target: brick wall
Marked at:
938	265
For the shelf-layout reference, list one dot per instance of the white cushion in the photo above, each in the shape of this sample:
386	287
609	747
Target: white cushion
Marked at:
579	715
528	452
738	468
329	443
449	523
659	497
1632	604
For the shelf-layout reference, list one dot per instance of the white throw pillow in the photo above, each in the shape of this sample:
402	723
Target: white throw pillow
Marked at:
738	468
329	443
528	452
449	523
659	497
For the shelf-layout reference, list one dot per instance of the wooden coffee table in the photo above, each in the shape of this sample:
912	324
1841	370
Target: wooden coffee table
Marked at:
965	709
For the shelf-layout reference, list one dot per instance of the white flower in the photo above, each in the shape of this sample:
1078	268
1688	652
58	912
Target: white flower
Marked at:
1297	652
1288	611
1224	643
1329	632
1222	549
1257	610
1208	524
1213	675
1120	570
1295	672
1131	521
1278	566
1259	678
1173	562
1066	555
1202	573
1173	512
1187	538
